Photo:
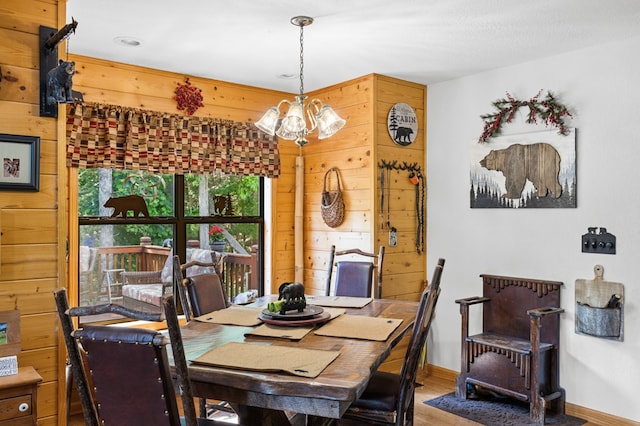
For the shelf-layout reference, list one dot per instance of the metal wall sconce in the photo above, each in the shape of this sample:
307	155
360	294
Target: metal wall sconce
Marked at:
55	77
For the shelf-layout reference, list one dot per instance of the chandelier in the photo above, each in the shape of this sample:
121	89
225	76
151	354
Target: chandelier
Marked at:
293	126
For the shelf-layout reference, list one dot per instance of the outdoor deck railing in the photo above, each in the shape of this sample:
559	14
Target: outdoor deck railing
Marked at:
101	273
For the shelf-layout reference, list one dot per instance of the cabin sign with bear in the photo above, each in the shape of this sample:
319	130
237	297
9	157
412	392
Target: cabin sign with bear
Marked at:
530	170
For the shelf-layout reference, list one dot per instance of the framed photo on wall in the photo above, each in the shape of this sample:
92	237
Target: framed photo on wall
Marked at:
20	157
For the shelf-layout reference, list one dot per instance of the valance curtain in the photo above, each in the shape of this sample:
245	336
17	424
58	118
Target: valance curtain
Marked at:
116	137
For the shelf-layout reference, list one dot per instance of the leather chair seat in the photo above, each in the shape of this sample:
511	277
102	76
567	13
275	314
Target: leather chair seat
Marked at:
381	393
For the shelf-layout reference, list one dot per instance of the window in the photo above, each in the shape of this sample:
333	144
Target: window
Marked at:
126	259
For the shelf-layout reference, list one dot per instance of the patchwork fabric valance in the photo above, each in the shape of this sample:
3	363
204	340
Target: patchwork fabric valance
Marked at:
116	137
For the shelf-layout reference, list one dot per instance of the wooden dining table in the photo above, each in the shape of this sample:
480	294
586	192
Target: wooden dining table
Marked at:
263	397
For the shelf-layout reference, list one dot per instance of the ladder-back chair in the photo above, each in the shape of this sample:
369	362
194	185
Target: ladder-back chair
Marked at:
355	276
389	398
199	294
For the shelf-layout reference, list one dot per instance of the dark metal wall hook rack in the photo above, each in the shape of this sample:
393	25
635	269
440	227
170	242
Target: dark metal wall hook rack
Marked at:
415	178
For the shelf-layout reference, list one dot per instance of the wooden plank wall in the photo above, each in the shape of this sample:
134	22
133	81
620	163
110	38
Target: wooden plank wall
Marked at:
31	255
406	268
356	151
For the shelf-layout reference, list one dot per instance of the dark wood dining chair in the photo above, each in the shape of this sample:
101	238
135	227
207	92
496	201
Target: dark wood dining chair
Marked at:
199	294
122	374
355	276
389	398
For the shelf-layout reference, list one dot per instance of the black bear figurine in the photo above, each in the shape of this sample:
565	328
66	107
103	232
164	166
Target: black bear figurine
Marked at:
60	83
292	294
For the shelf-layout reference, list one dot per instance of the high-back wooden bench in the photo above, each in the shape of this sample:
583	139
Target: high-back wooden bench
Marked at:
516	354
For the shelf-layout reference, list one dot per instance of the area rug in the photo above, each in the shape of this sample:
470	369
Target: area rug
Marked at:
497	411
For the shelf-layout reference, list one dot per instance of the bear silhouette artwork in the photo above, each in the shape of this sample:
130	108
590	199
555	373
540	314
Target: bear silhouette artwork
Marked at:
222	205
538	162
60	83
403	135
121	205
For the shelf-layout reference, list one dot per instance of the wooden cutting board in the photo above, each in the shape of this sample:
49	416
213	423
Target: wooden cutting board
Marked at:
600	307
597	292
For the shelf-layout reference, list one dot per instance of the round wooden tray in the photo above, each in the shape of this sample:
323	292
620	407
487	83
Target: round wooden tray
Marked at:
309	311
322	317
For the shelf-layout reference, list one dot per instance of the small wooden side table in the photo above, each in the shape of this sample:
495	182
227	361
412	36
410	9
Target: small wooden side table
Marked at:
18	398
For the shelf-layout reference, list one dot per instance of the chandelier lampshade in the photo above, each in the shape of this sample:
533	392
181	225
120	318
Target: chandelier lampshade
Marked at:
269	121
329	122
293	124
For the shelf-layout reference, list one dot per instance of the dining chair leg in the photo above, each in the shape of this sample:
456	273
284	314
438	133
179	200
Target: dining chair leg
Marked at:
68	377
203	408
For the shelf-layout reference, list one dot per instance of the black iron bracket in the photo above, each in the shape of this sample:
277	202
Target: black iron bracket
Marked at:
48	61
48	42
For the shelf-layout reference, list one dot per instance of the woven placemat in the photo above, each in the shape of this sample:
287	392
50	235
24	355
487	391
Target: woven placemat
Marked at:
360	327
339	301
260	357
280	331
233	315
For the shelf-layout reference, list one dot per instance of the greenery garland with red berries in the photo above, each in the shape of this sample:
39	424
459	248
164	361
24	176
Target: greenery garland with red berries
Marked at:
549	110
188	97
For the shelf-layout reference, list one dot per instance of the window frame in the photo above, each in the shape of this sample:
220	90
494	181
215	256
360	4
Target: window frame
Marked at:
178	221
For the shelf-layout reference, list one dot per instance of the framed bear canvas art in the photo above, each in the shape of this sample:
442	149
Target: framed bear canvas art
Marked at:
527	170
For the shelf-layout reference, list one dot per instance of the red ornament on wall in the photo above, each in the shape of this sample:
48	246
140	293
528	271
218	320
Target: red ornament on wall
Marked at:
188	97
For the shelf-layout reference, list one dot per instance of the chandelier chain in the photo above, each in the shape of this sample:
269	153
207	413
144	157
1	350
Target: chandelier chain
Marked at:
301	59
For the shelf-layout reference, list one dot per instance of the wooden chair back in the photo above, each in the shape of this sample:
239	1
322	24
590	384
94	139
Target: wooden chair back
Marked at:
199	294
421	328
389	398
125	365
511	298
125	358
355	277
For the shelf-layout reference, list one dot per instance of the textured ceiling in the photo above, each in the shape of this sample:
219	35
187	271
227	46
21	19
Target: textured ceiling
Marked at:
252	42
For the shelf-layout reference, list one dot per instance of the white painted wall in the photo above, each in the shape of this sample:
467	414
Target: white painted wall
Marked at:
600	85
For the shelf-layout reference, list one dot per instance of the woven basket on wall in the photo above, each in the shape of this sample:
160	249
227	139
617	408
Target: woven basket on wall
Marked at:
332	205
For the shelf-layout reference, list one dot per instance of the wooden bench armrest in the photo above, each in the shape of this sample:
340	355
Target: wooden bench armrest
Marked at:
472	300
542	312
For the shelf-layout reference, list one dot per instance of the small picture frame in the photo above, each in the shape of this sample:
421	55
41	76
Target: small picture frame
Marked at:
20	156
9	333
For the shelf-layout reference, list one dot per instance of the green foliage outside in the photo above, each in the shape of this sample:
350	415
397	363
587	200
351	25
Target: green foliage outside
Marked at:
157	190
